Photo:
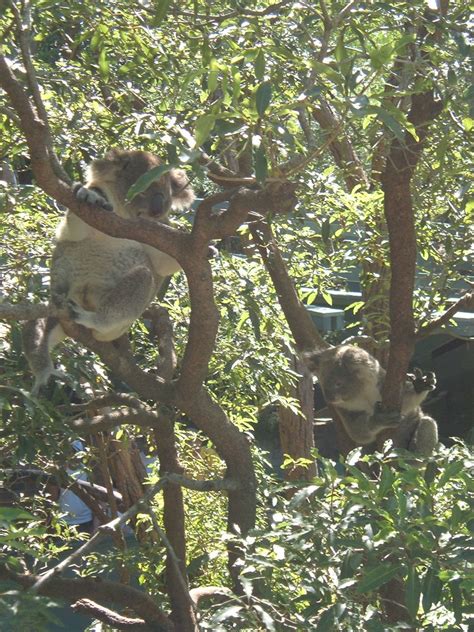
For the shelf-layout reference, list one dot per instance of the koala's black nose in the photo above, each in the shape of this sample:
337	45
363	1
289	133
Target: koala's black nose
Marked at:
157	204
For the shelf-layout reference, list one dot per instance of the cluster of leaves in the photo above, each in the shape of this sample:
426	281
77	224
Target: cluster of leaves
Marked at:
326	555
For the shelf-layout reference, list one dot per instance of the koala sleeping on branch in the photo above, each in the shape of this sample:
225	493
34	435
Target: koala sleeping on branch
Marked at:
352	379
106	283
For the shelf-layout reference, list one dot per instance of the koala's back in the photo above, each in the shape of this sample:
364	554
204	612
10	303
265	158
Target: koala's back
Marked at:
84	270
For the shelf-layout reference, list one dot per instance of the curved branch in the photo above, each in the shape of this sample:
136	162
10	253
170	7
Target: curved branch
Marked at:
117	621
206	592
70	590
431	326
100	423
302	327
24	34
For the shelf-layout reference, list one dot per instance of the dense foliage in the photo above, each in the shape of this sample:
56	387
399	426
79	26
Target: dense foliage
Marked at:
250	83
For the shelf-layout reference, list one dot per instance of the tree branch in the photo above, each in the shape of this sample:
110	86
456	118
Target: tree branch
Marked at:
102	532
427	328
23	311
302	327
70	590
396	179
115	620
24	35
142	418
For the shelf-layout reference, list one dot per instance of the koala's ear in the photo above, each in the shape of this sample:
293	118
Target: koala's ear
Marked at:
114	153
182	194
312	360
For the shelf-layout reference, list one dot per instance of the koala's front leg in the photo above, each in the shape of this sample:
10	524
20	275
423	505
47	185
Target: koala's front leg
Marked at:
363	428
91	195
416	388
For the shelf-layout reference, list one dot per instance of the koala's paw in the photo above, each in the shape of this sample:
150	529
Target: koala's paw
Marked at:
212	252
422	381
90	196
80	315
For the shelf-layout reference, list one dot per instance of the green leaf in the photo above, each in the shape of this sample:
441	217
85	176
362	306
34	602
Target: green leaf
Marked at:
452	469
146	179
161	10
263	97
386	481
326	230
213	75
260	164
203	127
412	592
381	56
330	73
456	597
104	66
468	123
377	577
340	52
393	125
10	514
259	65
432	587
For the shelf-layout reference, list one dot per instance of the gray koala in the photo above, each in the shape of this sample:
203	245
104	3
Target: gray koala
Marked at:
106	283
351	380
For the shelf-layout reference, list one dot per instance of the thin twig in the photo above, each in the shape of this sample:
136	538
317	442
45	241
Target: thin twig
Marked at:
101	533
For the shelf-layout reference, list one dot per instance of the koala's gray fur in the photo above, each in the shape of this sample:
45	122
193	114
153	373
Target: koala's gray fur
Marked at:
106	283
351	380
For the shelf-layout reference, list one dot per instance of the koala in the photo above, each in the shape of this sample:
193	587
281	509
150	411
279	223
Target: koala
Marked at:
352	379
102	282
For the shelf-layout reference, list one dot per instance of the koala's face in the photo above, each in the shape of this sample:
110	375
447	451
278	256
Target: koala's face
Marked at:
120	169
344	372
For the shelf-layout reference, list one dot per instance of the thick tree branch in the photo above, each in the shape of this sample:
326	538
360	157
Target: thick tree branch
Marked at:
23	311
142	418
396	179
117	621
70	590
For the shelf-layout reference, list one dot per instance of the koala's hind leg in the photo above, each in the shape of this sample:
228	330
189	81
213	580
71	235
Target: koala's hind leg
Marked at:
39	337
118	307
425	436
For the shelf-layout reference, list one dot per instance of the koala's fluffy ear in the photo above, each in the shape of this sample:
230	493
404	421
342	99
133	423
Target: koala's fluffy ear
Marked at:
312	360
182	194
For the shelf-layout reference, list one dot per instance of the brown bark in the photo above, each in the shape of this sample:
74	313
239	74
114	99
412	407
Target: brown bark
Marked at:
296	431
396	180
70	590
341	148
302	327
182	613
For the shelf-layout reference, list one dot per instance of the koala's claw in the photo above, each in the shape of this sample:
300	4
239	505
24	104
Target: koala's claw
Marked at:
73	309
422	381
83	194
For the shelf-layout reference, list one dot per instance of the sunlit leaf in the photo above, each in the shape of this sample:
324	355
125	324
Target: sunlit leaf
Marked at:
263	97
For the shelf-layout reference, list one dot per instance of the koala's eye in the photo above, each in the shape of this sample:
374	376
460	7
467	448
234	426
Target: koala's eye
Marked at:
125	164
